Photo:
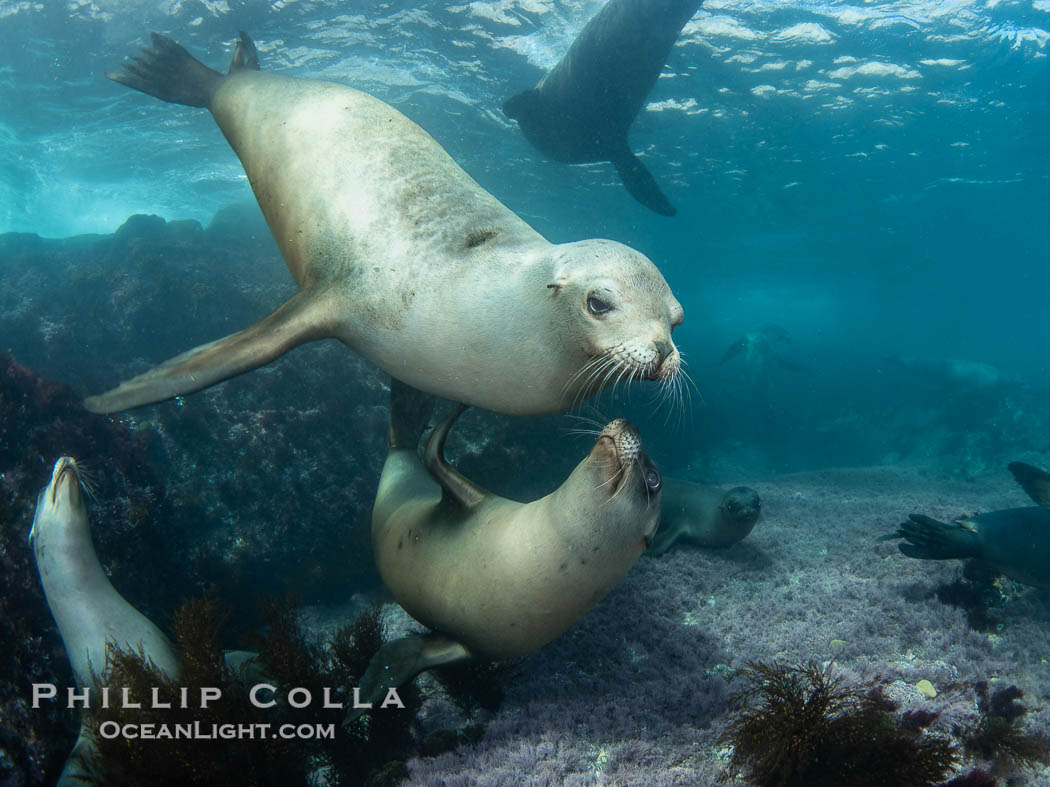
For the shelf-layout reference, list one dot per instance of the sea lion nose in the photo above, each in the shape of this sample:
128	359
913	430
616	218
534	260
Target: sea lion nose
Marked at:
664	349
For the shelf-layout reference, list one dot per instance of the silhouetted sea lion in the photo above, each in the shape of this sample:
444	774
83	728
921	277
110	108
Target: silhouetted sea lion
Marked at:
404	257
1013	541
494	578
581	110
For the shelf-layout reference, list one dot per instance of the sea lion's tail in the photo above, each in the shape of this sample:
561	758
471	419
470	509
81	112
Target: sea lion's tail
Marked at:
410	411
929	539
170	73
640	182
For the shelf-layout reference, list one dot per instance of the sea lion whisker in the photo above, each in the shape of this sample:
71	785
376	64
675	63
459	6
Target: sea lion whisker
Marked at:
87	478
613	369
576	376
689	379
613	479
587	432
592	383
597	423
589	371
623	471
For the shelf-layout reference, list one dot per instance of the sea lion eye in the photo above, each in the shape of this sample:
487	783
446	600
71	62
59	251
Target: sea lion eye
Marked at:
597	306
652	479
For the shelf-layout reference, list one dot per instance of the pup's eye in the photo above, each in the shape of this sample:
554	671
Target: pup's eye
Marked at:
652	479
596	305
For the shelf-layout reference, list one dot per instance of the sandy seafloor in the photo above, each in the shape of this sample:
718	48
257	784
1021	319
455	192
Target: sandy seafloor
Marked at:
634	693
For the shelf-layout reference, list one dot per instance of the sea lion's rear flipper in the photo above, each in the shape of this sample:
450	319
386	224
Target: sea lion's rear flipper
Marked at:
1034	481
397	662
456	488
170	73
302	318
929	539
522	105
410	411
640	182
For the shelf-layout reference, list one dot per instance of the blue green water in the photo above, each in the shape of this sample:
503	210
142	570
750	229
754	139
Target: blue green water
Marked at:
873	177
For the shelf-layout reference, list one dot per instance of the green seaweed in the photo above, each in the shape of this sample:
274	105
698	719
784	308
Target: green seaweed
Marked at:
998	736
373	751
120	761
799	725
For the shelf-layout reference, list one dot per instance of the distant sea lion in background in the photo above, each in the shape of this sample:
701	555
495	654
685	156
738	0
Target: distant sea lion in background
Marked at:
706	516
581	110
756	350
756	347
89	612
404	257
957	373
493	578
1013	541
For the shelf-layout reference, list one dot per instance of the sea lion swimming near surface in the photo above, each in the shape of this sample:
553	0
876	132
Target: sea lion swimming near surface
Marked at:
1013	541
404	257
703	515
89	612
581	110
493	578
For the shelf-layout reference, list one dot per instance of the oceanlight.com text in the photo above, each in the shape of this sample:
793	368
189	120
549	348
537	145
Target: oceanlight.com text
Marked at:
209	731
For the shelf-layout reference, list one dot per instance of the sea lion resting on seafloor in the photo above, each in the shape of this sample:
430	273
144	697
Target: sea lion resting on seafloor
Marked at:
493	578
404	257
706	516
1013	541
581	110
89	612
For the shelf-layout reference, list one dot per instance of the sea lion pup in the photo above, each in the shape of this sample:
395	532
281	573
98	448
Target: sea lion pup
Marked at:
704	515
493	578
581	110
89	613
1013	541
404	257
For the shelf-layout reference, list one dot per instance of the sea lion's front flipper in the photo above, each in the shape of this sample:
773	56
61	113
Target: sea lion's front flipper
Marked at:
397	662
304	317
640	182
1034	481
930	539
456	488
410	411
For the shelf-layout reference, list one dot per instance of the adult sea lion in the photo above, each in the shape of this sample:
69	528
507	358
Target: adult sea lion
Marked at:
957	374
703	515
493	578
89	612
581	110
1013	541
404	257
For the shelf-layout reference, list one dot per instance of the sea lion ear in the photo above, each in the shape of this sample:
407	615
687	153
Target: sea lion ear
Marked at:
1034	481
456	489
